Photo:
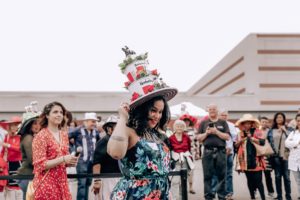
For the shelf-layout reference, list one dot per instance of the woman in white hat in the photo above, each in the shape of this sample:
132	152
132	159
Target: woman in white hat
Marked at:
247	160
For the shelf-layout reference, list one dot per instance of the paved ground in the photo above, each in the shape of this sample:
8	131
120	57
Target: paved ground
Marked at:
240	185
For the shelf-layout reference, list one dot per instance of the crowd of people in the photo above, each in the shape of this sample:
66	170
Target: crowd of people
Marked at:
47	143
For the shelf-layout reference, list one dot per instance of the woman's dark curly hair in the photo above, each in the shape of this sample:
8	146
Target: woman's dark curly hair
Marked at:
275	125
26	129
46	111
138	117
69	117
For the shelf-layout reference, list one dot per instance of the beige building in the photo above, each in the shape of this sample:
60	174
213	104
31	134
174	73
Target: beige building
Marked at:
260	75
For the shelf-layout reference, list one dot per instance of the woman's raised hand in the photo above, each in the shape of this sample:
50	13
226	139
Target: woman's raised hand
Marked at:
124	110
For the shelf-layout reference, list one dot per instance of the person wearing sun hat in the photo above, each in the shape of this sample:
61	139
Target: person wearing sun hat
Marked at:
30	126
137	141
247	160
11	153
104	163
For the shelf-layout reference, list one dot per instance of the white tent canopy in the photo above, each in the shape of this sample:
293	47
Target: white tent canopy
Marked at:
187	108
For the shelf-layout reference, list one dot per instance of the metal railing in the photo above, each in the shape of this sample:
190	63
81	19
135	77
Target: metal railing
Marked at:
182	173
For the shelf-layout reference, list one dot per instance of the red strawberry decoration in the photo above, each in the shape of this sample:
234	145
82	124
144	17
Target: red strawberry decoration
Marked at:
154	72
127	83
148	88
130	77
135	96
151	88
140	68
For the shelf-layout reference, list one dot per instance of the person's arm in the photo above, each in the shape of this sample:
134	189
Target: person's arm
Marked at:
215	131
258	141
72	136
290	143
69	160
118	143
234	134
258	137
98	136
39	157
202	136
97	169
189	143
223	136
271	140
27	143
239	140
292	123
56	161
202	133
12	147
99	155
97	181
3	148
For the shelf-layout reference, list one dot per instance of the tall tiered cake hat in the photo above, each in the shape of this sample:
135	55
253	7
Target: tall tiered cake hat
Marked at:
143	84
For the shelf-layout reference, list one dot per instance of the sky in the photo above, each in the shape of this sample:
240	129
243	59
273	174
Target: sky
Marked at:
71	45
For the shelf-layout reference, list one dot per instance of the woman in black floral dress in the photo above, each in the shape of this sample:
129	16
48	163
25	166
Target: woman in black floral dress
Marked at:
145	165
136	140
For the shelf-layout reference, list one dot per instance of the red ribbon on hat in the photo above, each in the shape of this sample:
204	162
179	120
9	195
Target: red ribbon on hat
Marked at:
130	77
154	72
140	68
127	83
148	88
135	96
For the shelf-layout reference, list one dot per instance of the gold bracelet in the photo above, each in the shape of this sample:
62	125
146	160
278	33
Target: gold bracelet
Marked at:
64	159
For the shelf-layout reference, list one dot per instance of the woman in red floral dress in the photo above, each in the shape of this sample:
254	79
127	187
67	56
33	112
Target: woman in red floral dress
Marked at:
50	149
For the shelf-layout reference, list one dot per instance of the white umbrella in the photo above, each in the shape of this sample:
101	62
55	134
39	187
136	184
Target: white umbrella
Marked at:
187	108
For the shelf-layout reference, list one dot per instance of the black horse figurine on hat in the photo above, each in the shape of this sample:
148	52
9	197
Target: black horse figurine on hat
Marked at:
127	51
